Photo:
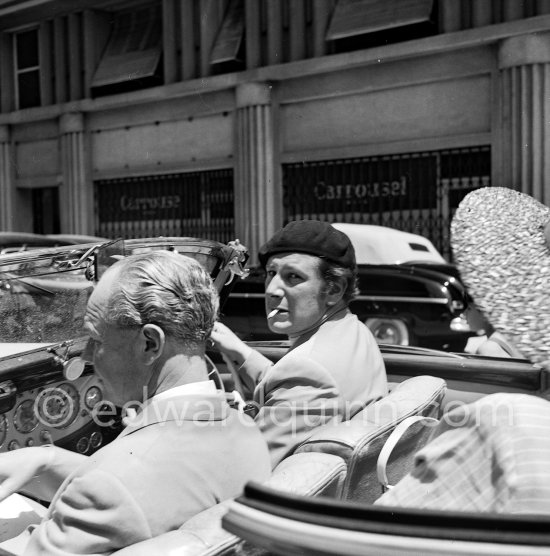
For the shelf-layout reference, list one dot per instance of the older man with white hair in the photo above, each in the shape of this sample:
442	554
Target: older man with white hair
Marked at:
183	451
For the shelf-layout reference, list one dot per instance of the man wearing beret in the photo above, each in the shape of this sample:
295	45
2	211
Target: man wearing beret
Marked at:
334	367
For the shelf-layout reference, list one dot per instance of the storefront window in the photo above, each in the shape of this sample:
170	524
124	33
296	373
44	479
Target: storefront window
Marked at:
413	192
193	204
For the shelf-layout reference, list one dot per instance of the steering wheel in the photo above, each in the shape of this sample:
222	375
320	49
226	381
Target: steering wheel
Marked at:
214	374
234	398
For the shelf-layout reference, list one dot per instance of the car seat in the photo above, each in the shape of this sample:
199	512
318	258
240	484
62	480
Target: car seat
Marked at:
360	440
313	474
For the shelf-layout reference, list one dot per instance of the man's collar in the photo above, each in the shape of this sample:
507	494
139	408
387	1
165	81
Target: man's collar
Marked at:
203	387
197	401
336	313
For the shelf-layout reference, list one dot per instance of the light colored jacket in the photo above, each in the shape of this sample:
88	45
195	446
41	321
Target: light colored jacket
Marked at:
332	372
184	454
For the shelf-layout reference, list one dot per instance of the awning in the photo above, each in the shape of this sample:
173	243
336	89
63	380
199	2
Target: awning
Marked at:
134	47
358	17
230	35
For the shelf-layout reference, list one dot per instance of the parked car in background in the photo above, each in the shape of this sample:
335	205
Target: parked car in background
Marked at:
14	242
76	239
383	245
409	294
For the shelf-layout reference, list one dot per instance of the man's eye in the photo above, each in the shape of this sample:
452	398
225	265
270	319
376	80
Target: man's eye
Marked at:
293	278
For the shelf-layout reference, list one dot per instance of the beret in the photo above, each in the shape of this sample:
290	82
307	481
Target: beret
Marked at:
502	254
314	238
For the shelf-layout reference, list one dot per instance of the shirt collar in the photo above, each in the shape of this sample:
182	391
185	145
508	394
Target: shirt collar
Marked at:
191	389
195	401
335	313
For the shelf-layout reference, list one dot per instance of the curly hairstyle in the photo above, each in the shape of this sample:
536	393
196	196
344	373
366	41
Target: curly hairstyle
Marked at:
167	289
333	273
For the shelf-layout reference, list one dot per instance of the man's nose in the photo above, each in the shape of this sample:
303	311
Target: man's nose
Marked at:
274	288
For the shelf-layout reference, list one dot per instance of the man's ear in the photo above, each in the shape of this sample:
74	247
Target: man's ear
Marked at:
336	291
152	341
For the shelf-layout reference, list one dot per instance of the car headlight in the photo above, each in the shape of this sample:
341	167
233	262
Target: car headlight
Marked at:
389	331
460	324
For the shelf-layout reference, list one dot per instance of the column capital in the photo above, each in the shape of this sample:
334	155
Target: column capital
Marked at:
4	133
524	50
71	122
253	94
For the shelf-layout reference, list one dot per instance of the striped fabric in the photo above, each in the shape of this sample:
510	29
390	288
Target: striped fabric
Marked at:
489	456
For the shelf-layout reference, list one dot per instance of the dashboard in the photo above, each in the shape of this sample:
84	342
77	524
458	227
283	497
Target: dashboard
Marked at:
70	414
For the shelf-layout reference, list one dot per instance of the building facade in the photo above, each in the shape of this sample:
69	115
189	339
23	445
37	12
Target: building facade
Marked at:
226	118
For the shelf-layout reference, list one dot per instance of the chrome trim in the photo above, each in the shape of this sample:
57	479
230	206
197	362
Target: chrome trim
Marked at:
460	324
431	300
248	295
403	299
281	535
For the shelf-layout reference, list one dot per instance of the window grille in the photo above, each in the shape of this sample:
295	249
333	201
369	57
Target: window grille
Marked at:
194	204
415	192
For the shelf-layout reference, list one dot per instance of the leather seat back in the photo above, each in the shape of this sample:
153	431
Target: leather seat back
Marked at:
314	474
359	441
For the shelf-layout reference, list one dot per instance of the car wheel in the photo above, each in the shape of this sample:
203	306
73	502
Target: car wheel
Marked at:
389	331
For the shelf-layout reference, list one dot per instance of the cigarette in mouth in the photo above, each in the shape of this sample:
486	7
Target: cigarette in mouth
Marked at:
272	313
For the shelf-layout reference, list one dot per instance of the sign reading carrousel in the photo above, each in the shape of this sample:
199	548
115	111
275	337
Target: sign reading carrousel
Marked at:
195	204
150	199
396	188
362	185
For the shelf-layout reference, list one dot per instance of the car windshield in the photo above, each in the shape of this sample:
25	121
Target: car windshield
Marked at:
43	292
43	297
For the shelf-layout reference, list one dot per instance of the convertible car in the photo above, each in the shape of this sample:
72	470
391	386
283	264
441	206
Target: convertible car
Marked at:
320	499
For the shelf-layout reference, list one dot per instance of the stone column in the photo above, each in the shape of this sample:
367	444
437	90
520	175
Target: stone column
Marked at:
258	198
524	126
75	193
7	186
